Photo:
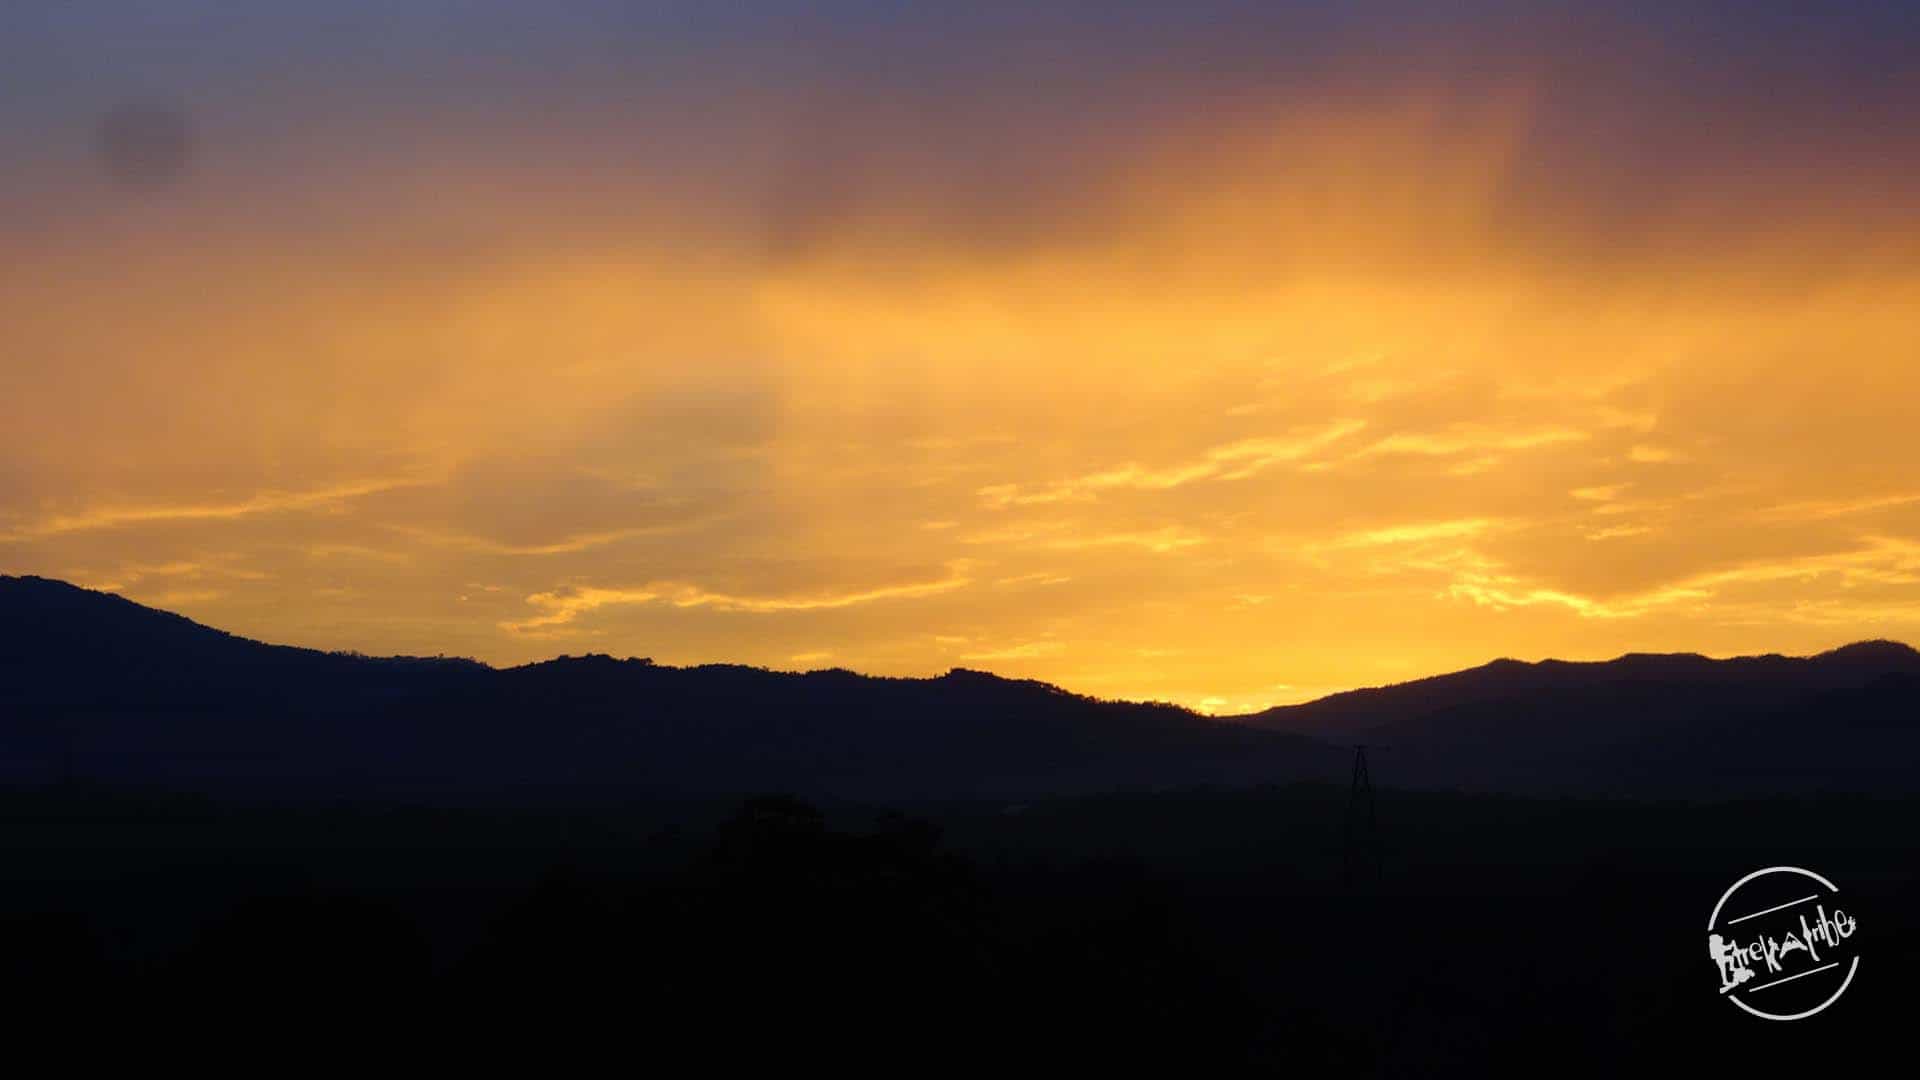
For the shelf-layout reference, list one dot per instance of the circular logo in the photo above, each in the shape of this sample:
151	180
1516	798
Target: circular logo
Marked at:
1783	946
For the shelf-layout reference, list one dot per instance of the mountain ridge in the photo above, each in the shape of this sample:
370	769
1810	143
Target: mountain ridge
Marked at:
1332	714
1878	650
132	693
108	689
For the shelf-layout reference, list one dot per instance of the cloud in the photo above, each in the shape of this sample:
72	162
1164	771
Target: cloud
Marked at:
1165	539
1238	460
1599	492
129	575
565	546
265	502
1467	438
1878	562
1502	592
1413	533
1030	650
564	606
1075	536
1821	509
1037	578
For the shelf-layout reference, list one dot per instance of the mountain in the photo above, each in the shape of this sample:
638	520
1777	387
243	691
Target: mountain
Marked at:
1675	724
98	688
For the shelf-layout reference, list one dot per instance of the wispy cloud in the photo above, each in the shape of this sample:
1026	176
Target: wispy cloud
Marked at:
1237	460
1821	509
567	545
1160	541
1075	536
130	575
565	605
260	503
1412	533
1599	492
1469	438
1037	578
1880	561
1029	650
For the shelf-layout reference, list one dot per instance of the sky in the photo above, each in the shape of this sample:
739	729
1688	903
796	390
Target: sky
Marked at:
1228	354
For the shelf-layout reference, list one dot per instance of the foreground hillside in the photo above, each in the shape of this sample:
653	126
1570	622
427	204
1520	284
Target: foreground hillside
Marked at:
1205	934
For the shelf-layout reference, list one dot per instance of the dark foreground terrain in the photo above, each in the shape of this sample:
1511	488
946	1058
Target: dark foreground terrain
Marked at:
222	852
1206	932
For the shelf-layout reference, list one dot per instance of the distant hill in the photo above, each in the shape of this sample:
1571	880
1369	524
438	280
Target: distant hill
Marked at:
96	688
1677	724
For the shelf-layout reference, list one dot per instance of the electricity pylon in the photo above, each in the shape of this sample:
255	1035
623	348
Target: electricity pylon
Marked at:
1363	825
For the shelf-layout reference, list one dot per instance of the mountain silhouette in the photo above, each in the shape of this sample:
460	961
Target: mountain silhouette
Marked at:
1667	724
100	689
105	690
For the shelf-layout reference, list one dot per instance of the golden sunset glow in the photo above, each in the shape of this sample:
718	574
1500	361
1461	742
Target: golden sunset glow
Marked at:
1260	396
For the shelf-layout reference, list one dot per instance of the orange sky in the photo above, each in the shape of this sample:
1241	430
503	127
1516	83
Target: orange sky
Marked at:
1278	396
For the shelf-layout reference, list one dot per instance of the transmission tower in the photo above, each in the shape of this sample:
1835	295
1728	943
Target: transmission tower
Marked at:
1363	825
